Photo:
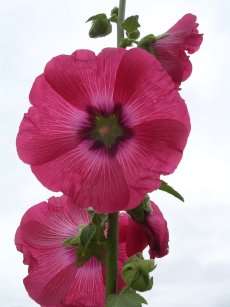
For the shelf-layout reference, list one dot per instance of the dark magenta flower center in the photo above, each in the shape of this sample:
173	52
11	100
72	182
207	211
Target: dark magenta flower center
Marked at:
107	130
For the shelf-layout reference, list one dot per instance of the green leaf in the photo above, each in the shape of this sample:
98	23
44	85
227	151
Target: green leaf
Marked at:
134	34
167	188
101	26
87	235
114	11
98	16
127	298
114	14
131	24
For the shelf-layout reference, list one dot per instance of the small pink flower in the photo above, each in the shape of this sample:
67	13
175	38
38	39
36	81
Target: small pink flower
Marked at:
102	129
54	279
171	49
153	233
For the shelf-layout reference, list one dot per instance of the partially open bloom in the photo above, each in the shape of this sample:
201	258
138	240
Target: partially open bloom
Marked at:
54	279
172	48
102	129
153	233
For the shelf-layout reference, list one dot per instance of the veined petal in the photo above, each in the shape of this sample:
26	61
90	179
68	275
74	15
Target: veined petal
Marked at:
51	126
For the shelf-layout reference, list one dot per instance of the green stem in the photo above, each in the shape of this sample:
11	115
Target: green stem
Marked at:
112	239
121	17
111	254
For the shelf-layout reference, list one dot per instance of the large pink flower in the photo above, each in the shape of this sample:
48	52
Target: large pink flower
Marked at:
54	280
153	233
171	49
102	129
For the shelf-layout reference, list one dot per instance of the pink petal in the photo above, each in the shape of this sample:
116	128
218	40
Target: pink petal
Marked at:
158	233
171	49
68	76
84	79
139	72
137	238
50	128
47	225
108	61
91	177
54	278
163	141
87	288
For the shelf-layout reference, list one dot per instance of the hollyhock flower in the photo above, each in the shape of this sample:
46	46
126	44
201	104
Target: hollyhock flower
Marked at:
172	48
102	129
54	279
153	233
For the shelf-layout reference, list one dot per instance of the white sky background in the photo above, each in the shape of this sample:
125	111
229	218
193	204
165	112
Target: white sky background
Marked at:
196	273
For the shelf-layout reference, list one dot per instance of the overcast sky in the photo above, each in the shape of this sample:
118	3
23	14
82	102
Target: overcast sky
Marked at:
196	273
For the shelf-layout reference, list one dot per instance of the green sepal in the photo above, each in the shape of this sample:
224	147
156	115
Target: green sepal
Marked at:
126	42
99	219
131	24
87	235
101	26
134	34
74	241
90	241
146	42
139	213
95	249
168	189
127	298
136	271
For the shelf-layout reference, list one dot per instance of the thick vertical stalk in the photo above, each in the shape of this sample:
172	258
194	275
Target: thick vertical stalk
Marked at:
121	17
112	254
112	240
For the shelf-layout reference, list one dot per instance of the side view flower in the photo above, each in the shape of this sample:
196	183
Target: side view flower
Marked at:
172	47
152	232
54	278
104	126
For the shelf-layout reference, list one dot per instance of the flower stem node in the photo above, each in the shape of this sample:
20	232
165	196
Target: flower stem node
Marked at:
101	26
